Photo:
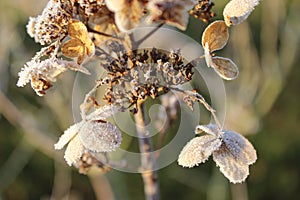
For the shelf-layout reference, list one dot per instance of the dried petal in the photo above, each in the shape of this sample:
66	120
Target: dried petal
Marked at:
225	68
103	112
236	11
100	136
173	12
67	136
73	48
232	168
216	35
240	147
198	150
74	151
211	129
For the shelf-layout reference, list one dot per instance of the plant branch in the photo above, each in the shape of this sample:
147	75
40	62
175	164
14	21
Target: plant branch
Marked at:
147	157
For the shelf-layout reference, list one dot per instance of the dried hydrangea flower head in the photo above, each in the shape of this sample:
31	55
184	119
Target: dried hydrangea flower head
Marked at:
51	24
173	12
236	11
232	152
128	13
80	45
92	134
214	38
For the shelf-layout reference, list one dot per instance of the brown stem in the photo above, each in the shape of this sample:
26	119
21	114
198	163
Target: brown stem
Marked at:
147	156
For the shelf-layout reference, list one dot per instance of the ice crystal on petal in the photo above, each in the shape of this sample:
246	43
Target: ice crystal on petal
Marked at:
198	150
211	129
68	135
173	12
103	112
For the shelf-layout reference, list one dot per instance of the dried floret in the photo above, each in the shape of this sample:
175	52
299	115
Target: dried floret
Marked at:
173	12
231	151
215	37
96	135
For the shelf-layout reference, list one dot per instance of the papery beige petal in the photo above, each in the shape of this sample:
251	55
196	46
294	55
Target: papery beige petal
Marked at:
216	35
230	166
74	151
73	48
67	135
198	150
239	147
225	68
115	5
100	136
236	11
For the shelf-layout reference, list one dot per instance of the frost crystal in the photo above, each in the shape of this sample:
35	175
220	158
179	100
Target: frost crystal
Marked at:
231	151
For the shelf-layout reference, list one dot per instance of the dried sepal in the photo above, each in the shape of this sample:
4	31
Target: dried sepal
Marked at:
202	10
215	37
89	135
236	11
232	152
100	136
172	12
74	151
128	13
198	150
80	45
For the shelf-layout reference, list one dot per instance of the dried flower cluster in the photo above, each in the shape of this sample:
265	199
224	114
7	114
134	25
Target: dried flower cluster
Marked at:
76	31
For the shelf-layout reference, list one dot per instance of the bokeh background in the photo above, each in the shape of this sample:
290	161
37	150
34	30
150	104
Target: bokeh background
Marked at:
263	103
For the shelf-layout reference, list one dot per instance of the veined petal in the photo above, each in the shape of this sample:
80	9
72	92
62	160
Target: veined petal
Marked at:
225	68
198	150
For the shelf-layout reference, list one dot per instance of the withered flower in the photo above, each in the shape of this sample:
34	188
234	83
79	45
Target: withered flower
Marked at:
80	46
232	152
92	134
172	12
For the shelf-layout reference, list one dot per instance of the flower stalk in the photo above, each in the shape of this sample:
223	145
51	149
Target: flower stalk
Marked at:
149	175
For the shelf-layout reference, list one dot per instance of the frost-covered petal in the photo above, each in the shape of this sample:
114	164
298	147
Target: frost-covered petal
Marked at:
231	167
198	150
74	151
236	11
239	147
211	129
103	112
100	136
67	136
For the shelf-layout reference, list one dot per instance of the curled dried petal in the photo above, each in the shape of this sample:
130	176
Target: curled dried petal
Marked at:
215	35
225	68
211	129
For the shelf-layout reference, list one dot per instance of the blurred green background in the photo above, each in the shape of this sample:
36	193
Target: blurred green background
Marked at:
263	103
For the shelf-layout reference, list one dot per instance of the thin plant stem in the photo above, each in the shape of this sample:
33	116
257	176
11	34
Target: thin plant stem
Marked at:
149	176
